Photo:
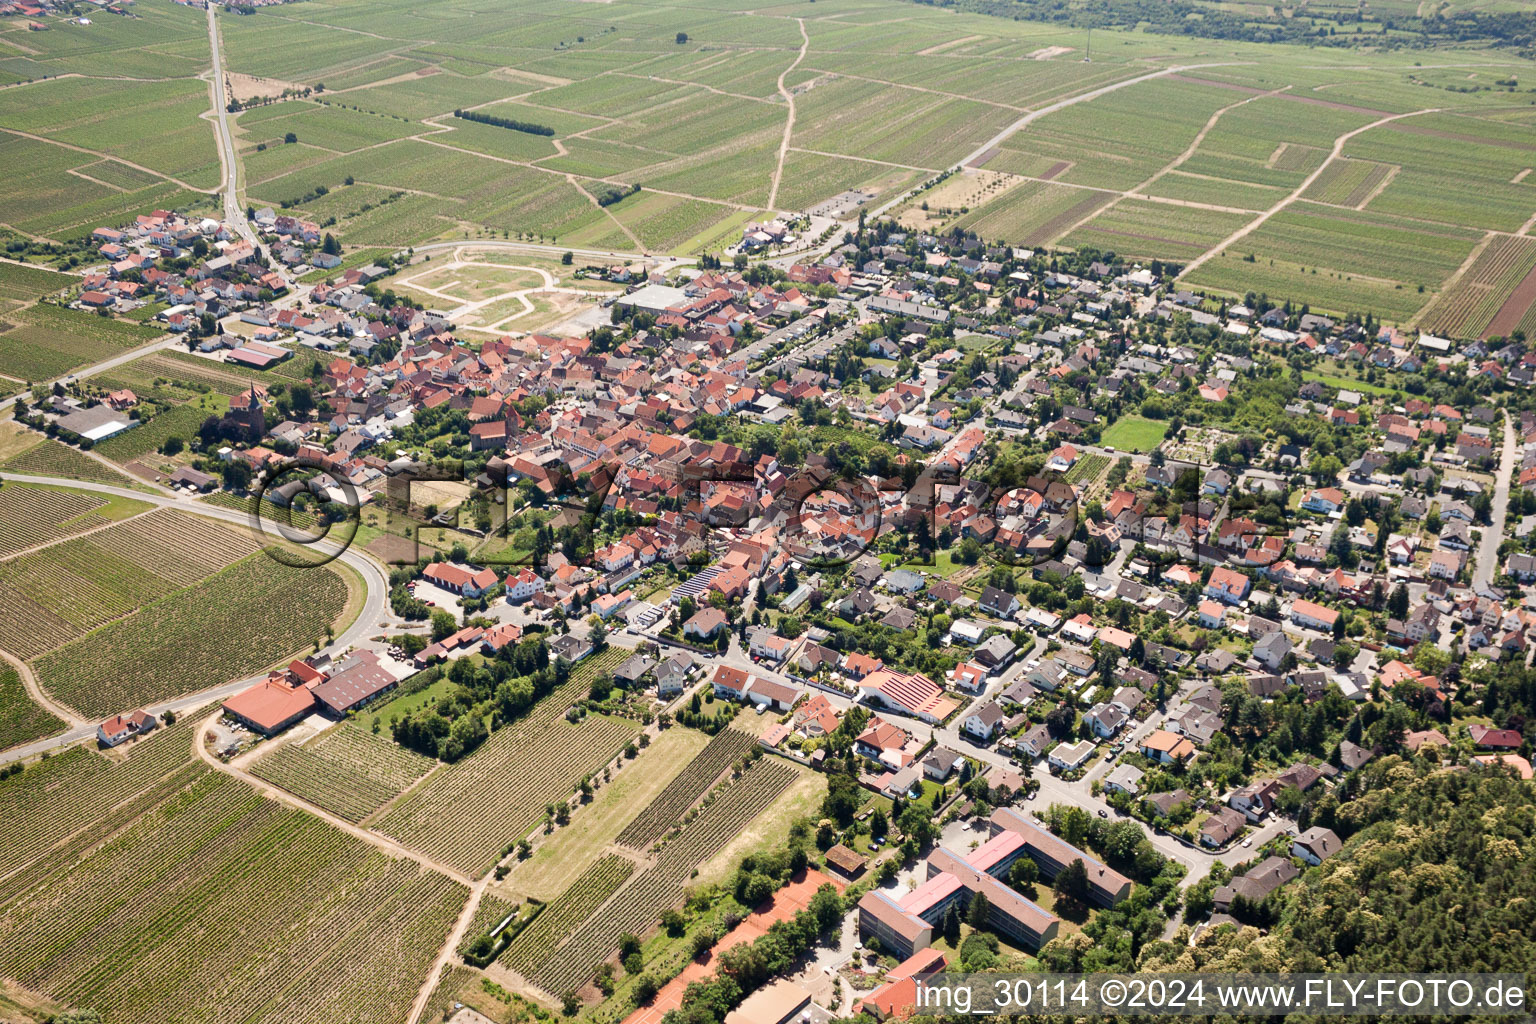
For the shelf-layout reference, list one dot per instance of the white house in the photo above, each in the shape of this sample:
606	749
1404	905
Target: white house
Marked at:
1315	845
983	721
121	728
524	585
1126	778
1069	757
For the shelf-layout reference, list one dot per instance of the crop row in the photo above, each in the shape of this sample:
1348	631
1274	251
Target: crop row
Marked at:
21	718
35	515
347	771
53	458
723	817
65	591
468	812
57	797
535	945
637	906
48	341
230	625
489	912
1466	310
344	931
668	806
182	547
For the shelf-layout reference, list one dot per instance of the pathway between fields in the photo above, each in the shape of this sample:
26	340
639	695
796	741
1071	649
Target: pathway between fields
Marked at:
1259	221
70	717
374	611
281	795
789	122
1139	191
230	160
986	148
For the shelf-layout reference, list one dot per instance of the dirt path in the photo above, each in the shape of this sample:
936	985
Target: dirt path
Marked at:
29	682
64	540
1449	283
607	213
789	122
449	953
1261	219
1139	191
266	789
104	156
1255	90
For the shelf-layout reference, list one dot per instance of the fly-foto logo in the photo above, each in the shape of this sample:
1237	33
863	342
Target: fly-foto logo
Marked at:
307	514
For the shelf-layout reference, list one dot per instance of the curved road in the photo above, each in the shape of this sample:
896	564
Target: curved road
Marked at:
366	624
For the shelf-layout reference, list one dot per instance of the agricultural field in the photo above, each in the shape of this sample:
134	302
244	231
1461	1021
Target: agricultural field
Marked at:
664	812
531	949
1327	290
1034	213
45	341
22	719
234	623
64	591
467	813
39	515
346	770
55	458
636	905
25	284
181	421
1467	309
48	811
879	104
559	858
1137	229
345	930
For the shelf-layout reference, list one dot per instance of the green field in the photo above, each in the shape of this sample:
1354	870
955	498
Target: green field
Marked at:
880	102
21	718
48	341
233	624
346	932
1133	434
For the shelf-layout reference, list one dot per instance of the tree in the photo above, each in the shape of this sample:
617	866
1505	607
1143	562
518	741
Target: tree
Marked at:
569	1004
443	625
1024	874
173	445
568	258
1397	602
976	914
842	799
878	826
290	138
330	246
645	989
1072	884
629	944
682	38
952	926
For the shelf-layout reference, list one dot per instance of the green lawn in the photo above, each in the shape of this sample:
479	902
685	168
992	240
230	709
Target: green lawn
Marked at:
1348	383
1133	434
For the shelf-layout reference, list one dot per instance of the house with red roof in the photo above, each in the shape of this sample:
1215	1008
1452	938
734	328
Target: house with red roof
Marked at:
122	728
459	579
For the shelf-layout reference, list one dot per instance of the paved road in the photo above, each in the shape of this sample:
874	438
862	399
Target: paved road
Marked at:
170	341
1488	550
374	612
233	214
